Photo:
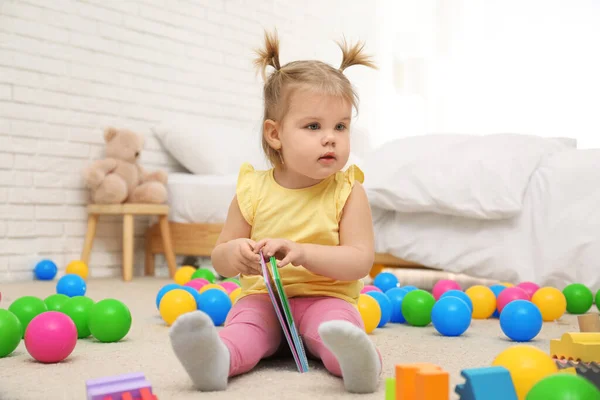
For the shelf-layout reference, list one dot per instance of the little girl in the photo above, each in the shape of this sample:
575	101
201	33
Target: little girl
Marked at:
308	213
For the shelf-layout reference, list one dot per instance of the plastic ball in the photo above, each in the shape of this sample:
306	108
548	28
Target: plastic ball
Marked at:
11	331
385	305
511	294
78	309
45	270
507	284
212	286
484	301
229	286
50	337
370	288
71	285
109	320
184	274
194	293
527	365
217	304
443	286
26	308
529	287
396	296
417	306
563	386
521	320
204	273
236	280
461	295
579	298
235	294
410	288
175	303
551	302
54	302
597	300
163	290
78	267
376	269
370	312
497	289
386	281
451	316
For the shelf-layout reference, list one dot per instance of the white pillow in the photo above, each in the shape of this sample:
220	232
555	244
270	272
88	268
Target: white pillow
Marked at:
483	177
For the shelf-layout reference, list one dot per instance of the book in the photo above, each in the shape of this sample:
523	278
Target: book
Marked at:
284	314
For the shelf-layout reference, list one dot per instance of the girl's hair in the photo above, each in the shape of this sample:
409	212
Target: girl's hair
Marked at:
312	74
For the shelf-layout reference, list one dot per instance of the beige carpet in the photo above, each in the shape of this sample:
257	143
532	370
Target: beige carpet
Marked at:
147	349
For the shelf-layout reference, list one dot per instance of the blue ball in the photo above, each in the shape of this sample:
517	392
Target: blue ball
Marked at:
163	290
497	289
521	320
396	295
410	288
71	285
385	304
451	316
461	295
193	292
385	281
216	304
45	270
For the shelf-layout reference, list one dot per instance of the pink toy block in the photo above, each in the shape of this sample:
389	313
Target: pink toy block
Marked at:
119	387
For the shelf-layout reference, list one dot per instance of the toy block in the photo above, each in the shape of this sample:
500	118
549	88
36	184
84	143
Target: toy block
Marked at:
390	389
115	387
590	371
421	381
589	322
488	383
579	346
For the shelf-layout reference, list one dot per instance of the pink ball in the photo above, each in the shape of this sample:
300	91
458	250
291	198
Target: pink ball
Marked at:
229	286
370	288
50	337
197	283
509	294
442	286
529	287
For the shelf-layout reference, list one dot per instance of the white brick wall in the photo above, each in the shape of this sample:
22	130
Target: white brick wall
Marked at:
69	68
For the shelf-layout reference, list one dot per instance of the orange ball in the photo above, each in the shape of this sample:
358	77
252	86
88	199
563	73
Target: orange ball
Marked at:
376	270
370	311
78	267
551	302
212	286
484	301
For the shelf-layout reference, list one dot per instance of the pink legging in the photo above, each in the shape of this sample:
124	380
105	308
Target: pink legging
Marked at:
252	331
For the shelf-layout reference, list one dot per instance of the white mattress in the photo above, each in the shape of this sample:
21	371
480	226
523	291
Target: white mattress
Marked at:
200	198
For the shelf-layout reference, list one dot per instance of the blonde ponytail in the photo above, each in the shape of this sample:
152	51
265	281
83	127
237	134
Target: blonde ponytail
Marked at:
269	55
353	55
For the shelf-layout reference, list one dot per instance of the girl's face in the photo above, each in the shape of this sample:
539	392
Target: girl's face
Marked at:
315	134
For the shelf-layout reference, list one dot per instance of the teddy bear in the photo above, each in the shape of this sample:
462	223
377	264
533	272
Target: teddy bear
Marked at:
119	178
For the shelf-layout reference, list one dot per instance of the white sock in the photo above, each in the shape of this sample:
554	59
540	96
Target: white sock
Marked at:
357	355
201	351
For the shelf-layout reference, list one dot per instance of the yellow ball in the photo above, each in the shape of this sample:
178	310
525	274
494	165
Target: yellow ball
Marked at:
370	311
551	302
184	274
235	294
78	267
175	303
527	365
484	301
212	286
507	284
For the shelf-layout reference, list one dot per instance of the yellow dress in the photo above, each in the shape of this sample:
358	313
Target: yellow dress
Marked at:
307	215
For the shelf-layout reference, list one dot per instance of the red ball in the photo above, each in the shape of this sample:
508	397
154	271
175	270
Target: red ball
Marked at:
50	337
509	294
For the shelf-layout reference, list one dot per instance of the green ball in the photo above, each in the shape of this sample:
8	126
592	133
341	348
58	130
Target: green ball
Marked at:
417	306
78	309
563	386
110	320
598	300
27	308
236	280
579	298
10	332
54	302
204	273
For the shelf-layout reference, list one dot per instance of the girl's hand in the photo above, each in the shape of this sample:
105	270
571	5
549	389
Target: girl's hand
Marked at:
243	258
286	251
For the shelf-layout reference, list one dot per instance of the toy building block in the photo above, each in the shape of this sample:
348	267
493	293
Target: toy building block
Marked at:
488	383
390	389
589	322
578	346
590	371
133	386
421	381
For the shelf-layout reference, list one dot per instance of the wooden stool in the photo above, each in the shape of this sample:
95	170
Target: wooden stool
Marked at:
128	211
